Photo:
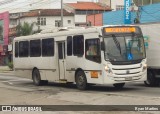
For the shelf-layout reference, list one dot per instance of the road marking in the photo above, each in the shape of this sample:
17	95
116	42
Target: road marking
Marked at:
10	83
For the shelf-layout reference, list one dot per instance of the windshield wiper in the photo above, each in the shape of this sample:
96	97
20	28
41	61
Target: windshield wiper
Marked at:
117	43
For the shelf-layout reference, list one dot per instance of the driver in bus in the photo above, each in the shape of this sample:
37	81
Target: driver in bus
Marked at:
91	51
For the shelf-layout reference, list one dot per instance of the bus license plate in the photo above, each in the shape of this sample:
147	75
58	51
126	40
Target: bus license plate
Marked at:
128	78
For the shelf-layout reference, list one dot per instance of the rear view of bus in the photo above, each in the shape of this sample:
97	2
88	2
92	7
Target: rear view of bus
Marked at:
124	55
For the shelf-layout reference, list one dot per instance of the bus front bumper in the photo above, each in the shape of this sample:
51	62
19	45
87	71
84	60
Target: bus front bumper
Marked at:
112	78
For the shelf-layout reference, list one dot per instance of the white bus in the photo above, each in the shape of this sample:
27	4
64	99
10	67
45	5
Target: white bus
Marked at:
98	55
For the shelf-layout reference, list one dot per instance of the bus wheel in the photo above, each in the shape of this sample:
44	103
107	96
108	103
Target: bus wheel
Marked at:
119	85
81	80
151	80
36	77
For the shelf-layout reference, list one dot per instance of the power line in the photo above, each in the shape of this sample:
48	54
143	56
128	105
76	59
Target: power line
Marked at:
48	2
19	5
40	3
6	2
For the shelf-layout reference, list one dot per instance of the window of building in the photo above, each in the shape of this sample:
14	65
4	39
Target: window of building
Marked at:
38	21
23	48
16	49
69	45
69	21
119	7
13	22
57	23
90	12
81	12
92	50
48	47
41	21
35	48
78	45
145	2
44	21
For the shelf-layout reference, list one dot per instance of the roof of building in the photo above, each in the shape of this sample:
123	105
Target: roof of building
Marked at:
88	6
47	12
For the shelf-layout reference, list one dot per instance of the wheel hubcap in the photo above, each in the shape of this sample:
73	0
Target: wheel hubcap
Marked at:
81	80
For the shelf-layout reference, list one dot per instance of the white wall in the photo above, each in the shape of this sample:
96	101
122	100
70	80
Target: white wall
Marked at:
50	21
80	18
107	2
116	2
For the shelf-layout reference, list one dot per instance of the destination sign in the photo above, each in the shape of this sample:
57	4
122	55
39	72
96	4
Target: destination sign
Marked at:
120	30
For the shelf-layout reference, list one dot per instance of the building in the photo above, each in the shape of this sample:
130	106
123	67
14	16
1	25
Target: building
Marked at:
95	20
4	29
82	9
119	4
41	18
114	4
44	18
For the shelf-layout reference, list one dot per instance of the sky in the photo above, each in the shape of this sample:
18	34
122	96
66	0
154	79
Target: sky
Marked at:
24	5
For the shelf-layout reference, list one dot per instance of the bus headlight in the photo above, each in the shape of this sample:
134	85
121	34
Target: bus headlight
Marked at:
144	67
107	69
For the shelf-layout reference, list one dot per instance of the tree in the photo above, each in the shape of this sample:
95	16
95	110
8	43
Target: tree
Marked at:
25	29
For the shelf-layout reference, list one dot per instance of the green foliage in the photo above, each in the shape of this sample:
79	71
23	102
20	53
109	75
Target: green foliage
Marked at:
10	65
25	29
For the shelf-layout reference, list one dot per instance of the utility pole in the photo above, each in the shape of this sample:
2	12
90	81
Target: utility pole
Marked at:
61	13
19	23
39	19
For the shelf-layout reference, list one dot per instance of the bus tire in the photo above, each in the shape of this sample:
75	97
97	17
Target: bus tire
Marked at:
36	77
81	81
151	80
119	85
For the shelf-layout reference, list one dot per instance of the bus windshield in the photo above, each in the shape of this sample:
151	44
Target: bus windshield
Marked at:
124	48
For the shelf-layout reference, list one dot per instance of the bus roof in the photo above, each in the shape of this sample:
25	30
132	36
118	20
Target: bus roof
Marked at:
65	31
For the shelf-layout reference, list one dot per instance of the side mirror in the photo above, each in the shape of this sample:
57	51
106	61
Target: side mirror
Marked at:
102	46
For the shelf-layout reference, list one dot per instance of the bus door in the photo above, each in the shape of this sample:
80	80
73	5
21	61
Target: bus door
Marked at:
61	59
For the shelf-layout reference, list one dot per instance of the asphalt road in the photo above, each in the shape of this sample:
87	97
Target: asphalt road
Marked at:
20	91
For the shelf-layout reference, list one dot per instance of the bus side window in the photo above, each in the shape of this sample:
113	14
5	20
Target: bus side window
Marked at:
92	50
35	48
23	49
69	45
16	49
78	45
48	47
